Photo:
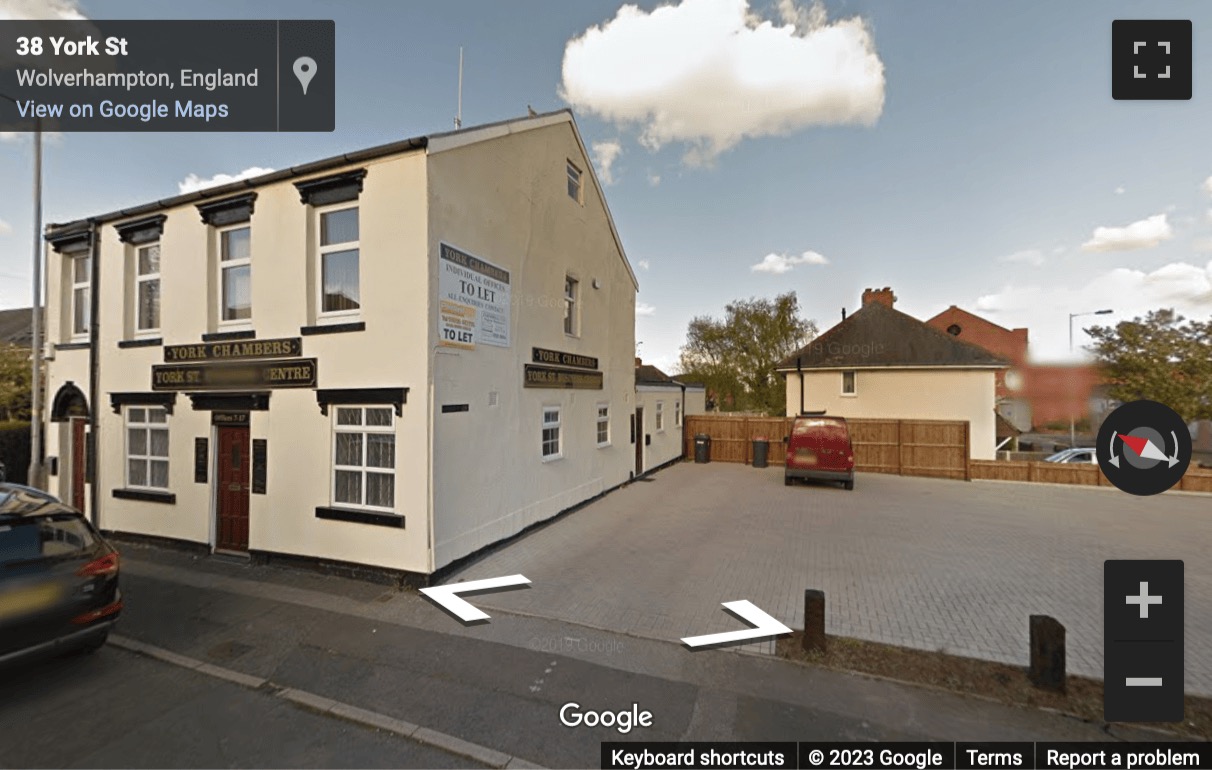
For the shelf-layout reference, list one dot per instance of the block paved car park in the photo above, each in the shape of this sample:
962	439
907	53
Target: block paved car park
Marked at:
926	563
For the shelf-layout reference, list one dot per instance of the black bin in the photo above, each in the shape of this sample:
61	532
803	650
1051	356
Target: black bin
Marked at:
702	448
761	450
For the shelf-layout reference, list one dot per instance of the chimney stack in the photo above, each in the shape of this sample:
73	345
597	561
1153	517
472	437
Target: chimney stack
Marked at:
638	362
883	296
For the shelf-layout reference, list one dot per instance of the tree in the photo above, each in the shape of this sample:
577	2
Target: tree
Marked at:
1162	357
735	357
16	380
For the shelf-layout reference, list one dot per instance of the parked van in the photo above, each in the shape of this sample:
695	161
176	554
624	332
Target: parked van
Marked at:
819	448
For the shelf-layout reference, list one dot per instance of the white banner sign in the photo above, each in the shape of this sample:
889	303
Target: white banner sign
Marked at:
473	300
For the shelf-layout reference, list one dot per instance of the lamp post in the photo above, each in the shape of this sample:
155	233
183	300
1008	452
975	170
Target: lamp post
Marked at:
34	474
1072	426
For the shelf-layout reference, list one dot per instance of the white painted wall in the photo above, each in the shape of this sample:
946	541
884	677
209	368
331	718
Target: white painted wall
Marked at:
505	201
908	394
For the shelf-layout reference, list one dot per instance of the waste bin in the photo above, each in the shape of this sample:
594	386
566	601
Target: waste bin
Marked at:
761	449
702	448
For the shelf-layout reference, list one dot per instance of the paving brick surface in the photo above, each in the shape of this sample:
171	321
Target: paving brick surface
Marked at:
926	563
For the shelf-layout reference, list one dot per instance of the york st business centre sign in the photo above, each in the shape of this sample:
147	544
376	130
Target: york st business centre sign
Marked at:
473	300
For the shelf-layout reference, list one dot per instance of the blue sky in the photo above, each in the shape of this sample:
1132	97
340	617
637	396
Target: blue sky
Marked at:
961	153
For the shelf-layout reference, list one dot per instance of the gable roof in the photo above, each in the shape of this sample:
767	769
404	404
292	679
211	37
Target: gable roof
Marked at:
971	317
433	142
16	326
880	336
647	374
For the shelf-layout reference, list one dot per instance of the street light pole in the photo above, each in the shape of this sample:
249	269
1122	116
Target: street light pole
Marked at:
1072	423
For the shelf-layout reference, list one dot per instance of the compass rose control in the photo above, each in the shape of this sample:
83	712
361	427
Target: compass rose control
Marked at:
1144	447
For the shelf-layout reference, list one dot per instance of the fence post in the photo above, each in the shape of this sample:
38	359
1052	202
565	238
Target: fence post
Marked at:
814	621
967	450
1047	653
900	461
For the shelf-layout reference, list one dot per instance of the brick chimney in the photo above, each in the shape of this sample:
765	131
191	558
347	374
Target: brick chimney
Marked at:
638	362
883	296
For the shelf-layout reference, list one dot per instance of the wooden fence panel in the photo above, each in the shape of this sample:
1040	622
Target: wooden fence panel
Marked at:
913	447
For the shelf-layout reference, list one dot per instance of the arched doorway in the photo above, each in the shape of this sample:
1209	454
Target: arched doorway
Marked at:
70	410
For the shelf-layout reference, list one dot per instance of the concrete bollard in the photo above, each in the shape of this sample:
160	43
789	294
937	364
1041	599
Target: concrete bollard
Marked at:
814	621
1047	653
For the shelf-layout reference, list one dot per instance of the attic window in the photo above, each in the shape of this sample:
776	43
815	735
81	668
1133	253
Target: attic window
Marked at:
574	183
954	330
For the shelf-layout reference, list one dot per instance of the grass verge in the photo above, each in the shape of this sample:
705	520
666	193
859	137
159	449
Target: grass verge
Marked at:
998	681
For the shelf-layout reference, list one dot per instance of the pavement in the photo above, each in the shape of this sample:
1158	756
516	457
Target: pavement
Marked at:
221	664
927	563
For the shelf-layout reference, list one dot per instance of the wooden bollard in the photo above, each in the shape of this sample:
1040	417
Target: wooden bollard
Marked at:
814	621
1047	653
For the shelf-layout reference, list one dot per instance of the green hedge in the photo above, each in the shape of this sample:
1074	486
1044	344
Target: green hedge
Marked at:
14	450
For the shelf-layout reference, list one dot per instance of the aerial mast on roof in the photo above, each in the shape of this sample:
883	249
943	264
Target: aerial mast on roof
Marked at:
459	113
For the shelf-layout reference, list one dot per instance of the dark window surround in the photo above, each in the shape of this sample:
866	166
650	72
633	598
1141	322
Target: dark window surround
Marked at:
73	243
360	517
228	211
140	231
146	496
338	188
71	346
356	326
397	397
119	400
243	334
231	402
149	342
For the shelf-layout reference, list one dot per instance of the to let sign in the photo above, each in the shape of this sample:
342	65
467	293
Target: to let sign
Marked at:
236	375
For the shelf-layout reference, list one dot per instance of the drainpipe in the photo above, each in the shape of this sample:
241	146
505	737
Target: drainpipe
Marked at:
683	425
799	370
94	379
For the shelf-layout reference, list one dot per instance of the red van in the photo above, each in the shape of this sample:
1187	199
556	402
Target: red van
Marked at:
819	448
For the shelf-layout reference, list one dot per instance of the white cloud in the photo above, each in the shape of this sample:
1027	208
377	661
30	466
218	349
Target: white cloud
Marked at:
194	182
5	227
1142	234
643	308
644	264
1202	245
1120	190
604	156
1027	256
1059	250
1208	185
1183	286
710	73
23	10
654	179
782	263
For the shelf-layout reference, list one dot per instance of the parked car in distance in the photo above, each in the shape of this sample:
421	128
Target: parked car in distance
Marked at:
58	577
1073	455
819	448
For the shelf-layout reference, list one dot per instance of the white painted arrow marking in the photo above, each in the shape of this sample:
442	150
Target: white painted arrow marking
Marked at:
446	595
763	625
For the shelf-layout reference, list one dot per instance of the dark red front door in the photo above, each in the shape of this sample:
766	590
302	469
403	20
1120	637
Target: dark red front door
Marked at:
233	481
78	455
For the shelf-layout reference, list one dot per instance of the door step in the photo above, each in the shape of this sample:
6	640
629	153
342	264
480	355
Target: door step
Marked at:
239	557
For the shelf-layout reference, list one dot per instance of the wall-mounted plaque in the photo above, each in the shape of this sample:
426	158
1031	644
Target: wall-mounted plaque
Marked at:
561	358
234	349
235	375
201	460
551	377
259	468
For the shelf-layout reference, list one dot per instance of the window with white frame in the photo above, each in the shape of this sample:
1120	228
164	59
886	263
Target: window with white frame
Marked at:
571	290
235	275
364	457
147	288
82	268
551	444
677	414
848	383
660	415
574	183
338	261
147	447
603	425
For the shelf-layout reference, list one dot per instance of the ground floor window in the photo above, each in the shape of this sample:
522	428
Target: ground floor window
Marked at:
660	415
603	425
147	447
551	433
364	457
677	414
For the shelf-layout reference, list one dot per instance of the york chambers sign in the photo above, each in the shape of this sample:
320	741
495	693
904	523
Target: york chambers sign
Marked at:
236	365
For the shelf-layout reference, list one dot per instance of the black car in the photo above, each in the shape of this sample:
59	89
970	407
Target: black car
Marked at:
58	577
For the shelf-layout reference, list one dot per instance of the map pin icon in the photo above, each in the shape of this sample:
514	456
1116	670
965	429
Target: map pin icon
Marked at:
305	70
